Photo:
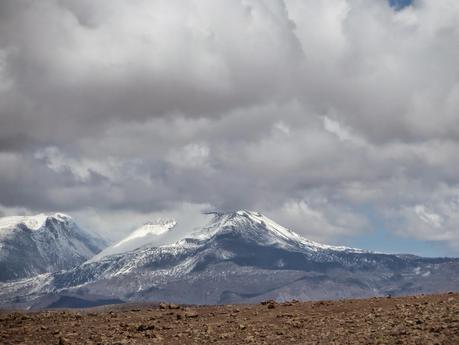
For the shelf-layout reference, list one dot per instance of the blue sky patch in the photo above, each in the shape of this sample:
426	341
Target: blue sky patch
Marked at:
400	3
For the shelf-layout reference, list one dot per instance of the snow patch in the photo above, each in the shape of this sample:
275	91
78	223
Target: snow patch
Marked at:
150	234
154	228
35	222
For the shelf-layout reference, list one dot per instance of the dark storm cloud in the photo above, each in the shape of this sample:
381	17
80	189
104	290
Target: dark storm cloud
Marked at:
309	111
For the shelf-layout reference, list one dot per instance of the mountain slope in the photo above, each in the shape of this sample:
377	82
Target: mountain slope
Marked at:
31	245
240	257
151	233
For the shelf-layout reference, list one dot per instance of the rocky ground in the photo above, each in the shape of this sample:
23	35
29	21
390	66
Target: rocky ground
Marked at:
408	320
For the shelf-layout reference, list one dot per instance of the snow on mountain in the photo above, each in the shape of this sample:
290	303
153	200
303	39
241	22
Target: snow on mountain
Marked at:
31	245
149	234
257	227
32	222
225	237
241	236
238	257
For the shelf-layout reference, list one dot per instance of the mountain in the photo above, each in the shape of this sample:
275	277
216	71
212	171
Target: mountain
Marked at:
239	257
31	245
152	233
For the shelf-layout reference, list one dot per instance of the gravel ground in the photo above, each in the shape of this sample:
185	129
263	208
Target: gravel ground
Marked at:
407	320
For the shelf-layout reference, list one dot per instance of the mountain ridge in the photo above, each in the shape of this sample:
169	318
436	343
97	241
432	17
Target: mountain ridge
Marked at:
240	257
150	233
43	243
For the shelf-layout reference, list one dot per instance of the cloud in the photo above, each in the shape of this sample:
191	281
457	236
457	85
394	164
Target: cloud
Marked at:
116	225
191	156
437	220
308	111
321	220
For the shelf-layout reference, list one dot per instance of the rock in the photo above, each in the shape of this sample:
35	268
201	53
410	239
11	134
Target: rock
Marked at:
62	341
271	305
270	301
250	339
227	335
191	314
144	327
162	306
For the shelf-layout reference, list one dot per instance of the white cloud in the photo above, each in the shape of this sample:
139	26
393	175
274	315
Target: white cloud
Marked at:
320	220
431	219
117	225
436	220
191	156
282	127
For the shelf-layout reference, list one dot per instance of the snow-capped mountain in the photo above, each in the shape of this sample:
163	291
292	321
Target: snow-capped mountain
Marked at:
255	227
149	234
30	245
238	257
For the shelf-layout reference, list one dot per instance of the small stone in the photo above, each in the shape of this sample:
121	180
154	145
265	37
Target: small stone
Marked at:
267	302
191	314
228	335
62	341
143	327
162	306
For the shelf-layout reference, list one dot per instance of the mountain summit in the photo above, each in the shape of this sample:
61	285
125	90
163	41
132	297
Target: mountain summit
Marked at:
149	234
30	245
237	257
255	227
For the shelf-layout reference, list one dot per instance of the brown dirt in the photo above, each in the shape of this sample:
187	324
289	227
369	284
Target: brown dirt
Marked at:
407	320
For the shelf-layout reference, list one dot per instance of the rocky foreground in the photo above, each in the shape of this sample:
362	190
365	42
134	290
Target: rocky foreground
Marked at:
406	320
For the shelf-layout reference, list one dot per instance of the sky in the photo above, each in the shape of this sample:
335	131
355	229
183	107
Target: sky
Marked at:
338	119
398	4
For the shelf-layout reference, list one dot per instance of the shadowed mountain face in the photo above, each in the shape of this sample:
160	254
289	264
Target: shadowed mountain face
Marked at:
240	257
41	244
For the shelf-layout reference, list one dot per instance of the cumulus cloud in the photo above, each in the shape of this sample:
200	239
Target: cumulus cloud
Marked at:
308	111
437	220
324	221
